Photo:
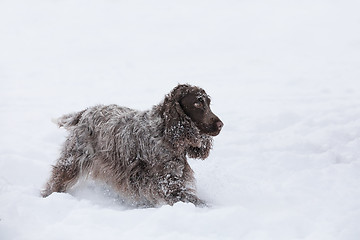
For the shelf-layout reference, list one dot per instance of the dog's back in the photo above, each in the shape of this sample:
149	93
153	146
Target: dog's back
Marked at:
98	115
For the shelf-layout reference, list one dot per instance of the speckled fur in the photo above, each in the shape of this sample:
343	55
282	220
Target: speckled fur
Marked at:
141	154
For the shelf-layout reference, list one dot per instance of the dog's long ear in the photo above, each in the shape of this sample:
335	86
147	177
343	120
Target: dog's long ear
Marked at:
179	130
202	151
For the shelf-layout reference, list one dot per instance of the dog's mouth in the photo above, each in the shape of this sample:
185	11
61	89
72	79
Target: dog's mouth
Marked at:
213	134
212	130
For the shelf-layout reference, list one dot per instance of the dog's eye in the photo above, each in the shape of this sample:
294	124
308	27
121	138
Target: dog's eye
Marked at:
198	105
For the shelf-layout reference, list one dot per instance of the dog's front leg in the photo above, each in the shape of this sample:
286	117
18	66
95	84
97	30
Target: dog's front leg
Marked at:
173	189
192	198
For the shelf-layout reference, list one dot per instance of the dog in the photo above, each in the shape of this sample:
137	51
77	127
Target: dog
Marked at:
142	155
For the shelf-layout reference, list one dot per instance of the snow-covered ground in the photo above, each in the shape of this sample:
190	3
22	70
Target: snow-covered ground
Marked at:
284	77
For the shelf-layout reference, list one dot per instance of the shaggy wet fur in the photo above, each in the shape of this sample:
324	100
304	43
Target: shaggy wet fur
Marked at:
140	154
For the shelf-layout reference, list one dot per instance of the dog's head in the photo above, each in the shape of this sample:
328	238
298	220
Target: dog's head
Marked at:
189	121
196	105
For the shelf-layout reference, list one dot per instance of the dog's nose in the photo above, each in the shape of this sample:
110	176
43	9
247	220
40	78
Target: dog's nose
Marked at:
219	124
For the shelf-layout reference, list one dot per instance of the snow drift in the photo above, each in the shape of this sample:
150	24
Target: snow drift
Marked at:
283	76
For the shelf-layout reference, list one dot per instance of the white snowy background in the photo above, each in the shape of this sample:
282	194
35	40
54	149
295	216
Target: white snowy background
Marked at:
284	77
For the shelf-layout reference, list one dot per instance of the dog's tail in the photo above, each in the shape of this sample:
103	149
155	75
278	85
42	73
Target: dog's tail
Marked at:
68	120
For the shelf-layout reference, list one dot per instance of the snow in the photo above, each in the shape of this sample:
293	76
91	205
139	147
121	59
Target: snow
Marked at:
283	76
